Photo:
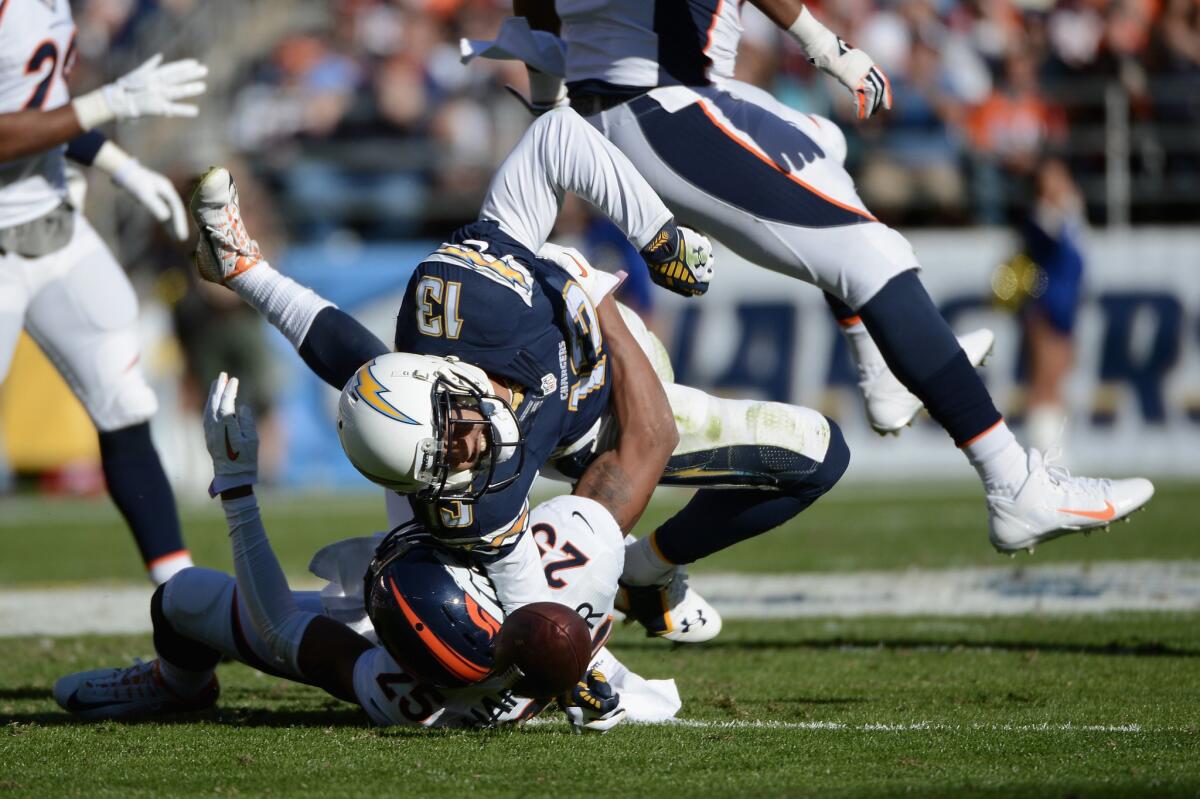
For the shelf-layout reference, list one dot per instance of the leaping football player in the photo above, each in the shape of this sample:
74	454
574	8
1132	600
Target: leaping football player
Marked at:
58	280
509	362
655	77
412	647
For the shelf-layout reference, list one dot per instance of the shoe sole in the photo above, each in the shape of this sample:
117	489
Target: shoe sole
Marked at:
908	421
1030	544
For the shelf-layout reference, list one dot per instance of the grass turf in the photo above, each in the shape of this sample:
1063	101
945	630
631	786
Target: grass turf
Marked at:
855	528
926	706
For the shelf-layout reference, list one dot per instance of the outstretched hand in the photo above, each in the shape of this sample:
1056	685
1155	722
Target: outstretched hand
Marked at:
231	437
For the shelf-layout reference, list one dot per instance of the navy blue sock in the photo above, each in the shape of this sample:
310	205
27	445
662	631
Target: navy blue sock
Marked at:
716	519
923	353
140	490
337	344
841	311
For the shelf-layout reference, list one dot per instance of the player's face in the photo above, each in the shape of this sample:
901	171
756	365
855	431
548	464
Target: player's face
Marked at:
467	441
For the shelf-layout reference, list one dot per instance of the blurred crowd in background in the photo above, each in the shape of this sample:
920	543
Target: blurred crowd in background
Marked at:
353	121
369	123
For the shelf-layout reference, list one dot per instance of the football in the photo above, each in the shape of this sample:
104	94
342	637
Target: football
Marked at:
549	645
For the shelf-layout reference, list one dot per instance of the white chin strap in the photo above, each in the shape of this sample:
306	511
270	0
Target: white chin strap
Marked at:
505	430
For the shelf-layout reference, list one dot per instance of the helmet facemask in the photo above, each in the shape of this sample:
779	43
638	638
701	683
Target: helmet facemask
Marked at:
460	405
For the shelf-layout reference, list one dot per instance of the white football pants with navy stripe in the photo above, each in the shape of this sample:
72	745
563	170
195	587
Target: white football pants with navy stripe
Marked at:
764	180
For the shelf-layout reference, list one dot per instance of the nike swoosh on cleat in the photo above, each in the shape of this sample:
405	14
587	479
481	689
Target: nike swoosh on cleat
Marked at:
1105	515
233	456
76	705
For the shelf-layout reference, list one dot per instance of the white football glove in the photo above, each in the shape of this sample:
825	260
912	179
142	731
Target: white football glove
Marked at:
152	89
148	187
853	68
231	437
680	259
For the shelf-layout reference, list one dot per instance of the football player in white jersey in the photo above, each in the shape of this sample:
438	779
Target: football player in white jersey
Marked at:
437	672
58	280
656	78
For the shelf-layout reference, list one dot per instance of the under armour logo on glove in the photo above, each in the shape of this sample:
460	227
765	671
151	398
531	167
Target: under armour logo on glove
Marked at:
679	259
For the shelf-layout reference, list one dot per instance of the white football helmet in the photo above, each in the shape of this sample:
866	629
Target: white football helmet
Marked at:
397	416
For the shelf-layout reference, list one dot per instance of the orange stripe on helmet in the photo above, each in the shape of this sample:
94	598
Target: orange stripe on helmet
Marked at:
450	660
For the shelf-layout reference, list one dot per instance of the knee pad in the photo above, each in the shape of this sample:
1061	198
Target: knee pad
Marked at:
836	461
198	604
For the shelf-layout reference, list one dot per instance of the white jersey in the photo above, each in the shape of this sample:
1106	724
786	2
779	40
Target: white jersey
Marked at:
37	50
648	43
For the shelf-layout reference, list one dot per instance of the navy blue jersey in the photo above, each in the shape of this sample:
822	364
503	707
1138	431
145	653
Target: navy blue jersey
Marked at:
487	300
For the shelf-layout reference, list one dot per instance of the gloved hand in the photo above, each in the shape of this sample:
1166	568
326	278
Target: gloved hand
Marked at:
593	705
152	89
231	437
679	259
148	187
853	68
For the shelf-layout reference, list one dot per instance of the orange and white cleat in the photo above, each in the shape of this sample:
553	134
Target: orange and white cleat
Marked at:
1053	503
225	249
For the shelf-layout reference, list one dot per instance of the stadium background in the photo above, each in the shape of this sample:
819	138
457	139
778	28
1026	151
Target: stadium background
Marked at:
358	139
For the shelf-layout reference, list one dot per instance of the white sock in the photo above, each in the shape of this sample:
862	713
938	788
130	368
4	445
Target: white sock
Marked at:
643	564
1045	427
287	305
1001	462
183	682
162	569
863	351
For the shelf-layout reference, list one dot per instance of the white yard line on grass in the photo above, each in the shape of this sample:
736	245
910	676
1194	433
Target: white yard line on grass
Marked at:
918	726
1055	589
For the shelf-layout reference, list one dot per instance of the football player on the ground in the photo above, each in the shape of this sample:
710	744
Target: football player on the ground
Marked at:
544	359
57	278
656	79
436	671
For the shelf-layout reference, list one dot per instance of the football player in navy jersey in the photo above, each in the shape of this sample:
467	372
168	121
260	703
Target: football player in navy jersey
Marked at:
513	358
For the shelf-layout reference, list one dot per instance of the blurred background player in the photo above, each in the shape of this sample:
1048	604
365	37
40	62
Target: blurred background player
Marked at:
58	280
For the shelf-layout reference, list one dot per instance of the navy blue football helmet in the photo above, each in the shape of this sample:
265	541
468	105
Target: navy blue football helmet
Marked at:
433	612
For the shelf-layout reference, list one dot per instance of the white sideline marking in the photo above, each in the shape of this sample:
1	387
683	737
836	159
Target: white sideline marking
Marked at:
992	591
918	726
1052	589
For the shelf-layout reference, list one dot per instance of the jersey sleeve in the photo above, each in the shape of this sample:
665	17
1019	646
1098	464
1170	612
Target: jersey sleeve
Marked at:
391	696
559	153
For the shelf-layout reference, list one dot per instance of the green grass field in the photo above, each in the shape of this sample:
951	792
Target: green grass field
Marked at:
1100	705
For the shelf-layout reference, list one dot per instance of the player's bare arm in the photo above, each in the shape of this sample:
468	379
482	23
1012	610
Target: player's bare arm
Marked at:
24	133
153	89
623	479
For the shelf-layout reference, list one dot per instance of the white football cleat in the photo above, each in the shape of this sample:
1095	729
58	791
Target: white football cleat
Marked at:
670	610
225	249
1053	503
132	692
890	406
